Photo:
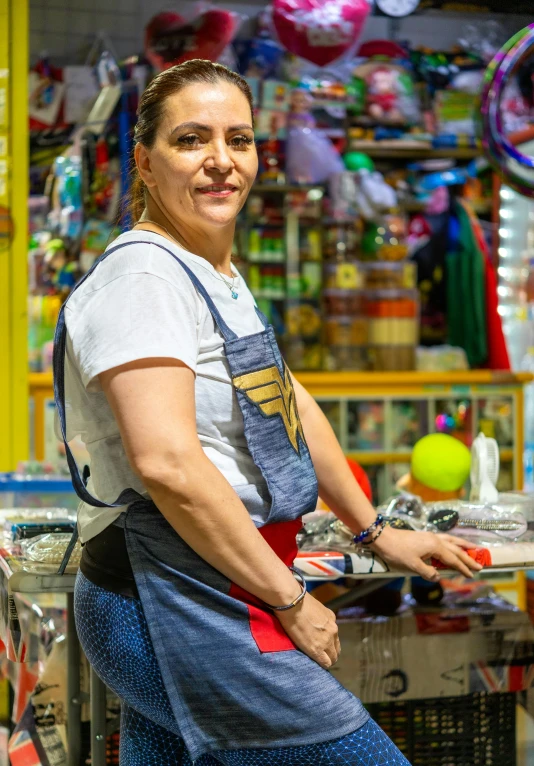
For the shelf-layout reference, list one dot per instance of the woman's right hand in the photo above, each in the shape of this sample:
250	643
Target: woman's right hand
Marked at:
313	629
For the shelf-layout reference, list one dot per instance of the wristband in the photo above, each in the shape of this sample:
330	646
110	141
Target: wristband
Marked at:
302	581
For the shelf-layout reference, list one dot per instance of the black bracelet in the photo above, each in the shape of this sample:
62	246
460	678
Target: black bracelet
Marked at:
302	581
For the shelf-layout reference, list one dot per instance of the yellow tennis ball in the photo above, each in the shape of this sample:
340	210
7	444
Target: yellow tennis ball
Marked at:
441	462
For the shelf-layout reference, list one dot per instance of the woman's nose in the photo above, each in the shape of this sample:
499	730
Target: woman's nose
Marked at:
219	157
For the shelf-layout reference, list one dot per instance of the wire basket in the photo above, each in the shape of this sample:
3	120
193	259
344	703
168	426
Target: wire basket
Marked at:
472	730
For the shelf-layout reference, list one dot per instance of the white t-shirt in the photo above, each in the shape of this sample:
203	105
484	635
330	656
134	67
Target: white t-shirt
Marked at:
140	303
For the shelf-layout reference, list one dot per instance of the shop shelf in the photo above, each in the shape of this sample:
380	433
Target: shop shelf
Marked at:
403	151
283	188
481	207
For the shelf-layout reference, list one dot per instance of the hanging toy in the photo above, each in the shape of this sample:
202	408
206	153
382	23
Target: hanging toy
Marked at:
319	31
513	166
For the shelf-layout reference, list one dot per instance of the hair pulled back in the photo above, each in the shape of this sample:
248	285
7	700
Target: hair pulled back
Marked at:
151	105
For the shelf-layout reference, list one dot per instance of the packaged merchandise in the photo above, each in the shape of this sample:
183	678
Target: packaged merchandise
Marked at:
28	530
390	97
311	157
49	549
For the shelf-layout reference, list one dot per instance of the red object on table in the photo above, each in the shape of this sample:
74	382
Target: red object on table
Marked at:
480	555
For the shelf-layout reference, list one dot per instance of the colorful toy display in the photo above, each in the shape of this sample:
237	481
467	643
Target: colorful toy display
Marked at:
513	166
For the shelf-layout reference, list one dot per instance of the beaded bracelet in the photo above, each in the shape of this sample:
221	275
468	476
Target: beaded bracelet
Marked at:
375	538
302	581
357	539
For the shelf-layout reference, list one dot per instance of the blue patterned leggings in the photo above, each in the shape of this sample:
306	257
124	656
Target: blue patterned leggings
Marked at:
114	635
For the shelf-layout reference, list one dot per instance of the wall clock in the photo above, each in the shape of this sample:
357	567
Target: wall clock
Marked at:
397	8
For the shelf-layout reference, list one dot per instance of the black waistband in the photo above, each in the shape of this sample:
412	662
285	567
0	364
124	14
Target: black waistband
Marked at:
105	562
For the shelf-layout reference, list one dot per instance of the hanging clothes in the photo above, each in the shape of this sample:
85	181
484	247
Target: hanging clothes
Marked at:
466	290
498	357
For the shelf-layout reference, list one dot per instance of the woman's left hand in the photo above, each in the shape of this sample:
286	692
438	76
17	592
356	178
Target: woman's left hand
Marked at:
412	550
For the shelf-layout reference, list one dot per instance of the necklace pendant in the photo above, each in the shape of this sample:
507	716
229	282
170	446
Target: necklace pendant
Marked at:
235	295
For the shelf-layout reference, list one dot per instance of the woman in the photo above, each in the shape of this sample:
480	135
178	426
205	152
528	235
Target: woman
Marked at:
185	604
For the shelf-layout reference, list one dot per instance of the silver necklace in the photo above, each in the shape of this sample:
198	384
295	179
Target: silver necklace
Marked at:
230	285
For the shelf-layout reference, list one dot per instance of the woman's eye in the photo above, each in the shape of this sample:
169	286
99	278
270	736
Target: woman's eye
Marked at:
190	140
241	142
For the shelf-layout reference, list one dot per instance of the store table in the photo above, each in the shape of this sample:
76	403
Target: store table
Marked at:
17	576
331	565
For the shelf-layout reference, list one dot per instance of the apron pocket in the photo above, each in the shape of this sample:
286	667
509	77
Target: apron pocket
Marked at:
265	627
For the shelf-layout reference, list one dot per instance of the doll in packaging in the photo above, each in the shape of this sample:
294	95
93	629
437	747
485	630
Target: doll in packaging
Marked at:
310	156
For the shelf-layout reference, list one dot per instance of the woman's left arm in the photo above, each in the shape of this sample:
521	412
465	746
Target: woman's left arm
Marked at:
343	495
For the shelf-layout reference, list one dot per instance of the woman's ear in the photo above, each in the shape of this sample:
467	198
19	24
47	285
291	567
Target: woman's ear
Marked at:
142	160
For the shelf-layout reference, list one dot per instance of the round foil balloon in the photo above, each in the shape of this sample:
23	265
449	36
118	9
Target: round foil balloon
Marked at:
515	167
319	31
170	39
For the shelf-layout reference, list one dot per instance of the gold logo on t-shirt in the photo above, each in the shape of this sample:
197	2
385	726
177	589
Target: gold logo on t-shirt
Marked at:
273	395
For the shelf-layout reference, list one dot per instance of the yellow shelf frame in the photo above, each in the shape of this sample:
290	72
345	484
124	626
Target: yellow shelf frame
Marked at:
14	178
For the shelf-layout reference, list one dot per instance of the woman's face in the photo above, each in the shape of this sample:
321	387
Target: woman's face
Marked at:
204	159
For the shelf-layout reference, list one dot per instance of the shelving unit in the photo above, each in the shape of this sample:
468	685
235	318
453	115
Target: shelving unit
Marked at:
401	151
494	403
379	416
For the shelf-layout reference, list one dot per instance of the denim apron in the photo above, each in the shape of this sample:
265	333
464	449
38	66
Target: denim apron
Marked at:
233	676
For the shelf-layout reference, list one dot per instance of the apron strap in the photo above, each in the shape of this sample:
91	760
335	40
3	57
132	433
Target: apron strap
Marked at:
127	496
261	316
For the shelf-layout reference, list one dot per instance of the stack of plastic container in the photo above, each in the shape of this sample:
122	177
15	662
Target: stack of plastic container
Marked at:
371	308
391	306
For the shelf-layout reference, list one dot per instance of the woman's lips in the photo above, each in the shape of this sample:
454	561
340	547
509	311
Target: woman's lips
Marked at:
217	190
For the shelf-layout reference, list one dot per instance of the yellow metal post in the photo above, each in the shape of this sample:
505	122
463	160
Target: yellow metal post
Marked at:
20	428
14	418
5	211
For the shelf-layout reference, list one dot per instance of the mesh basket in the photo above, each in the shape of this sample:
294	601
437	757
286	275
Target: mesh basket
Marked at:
472	730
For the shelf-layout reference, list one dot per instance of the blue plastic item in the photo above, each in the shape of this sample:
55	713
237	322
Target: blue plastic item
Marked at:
21	491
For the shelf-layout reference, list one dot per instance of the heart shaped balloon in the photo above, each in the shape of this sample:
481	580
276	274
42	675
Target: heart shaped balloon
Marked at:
319	31
169	39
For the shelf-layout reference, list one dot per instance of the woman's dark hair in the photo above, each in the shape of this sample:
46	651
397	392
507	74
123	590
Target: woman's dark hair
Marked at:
152	102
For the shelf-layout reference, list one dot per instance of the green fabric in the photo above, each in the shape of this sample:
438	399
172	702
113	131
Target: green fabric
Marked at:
466	294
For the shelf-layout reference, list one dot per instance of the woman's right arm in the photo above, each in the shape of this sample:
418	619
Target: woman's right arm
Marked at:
153	401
